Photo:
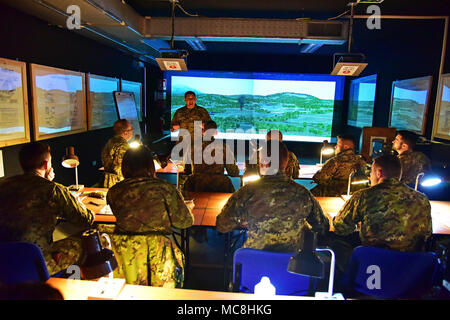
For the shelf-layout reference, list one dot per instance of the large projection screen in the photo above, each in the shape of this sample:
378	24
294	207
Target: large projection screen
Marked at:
247	105
362	101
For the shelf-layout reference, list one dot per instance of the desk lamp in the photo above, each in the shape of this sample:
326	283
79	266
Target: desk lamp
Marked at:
355	177
251	174
96	261
306	262
70	160
136	142
326	150
428	180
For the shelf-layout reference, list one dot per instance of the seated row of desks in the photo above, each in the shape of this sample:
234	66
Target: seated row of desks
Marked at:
208	205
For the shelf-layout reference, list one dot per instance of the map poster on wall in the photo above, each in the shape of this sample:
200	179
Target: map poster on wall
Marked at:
102	111
442	122
409	104
59	106
14	124
136	89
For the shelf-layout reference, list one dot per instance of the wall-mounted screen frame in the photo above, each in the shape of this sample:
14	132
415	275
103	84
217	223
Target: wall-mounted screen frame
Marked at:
136	89
59	102
441	126
102	112
409	104
14	120
362	101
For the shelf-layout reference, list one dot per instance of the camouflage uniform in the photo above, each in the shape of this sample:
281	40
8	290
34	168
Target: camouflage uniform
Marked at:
112	155
211	177
392	216
413	163
332	178
274	209
146	208
292	168
30	206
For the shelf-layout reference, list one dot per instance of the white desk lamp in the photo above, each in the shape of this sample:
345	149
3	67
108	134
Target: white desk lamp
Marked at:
70	160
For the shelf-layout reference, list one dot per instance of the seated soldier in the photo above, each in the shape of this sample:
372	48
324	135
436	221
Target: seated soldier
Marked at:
32	203
274	209
210	177
413	162
391	214
292	168
332	178
146	209
113	151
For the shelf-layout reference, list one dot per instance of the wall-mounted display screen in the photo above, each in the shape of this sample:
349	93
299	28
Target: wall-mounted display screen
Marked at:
59	106
246	105
442	123
136	89
362	101
14	124
126	108
409	103
102	110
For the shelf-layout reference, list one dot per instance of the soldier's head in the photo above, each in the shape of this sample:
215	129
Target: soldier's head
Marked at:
190	99
123	128
138	162
35	156
273	158
345	142
385	167
274	135
210	125
404	141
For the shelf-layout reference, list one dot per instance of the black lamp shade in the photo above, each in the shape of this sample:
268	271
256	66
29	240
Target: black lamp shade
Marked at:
306	262
96	261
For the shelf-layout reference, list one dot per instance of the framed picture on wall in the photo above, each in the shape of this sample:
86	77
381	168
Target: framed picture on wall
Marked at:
102	111
59	102
409	104
14	121
441	127
136	89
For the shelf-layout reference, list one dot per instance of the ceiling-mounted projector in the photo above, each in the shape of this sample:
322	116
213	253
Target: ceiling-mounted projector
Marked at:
173	60
348	64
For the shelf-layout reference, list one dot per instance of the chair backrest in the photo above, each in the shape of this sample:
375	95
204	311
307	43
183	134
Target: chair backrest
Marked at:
250	265
389	274
21	262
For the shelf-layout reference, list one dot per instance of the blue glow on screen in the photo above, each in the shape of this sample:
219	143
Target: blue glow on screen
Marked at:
362	101
300	105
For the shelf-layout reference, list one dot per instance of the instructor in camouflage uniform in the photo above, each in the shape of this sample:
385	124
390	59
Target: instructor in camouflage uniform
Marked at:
211	177
185	117
31	203
413	162
274	209
146	209
391	214
332	178
114	150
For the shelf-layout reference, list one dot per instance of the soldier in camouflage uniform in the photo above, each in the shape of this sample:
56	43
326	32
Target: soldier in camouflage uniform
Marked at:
114	150
332	178
32	203
146	209
185	117
274	209
391	214
292	168
413	162
211	177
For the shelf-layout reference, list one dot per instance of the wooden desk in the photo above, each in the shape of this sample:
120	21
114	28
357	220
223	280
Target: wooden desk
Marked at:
80	289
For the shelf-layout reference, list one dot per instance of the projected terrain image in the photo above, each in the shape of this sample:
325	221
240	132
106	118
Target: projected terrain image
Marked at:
362	100
297	108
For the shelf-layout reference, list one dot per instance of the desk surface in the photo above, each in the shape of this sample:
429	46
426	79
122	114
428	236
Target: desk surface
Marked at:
80	289
208	206
306	170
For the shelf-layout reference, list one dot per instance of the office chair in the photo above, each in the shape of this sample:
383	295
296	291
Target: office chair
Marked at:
388	274
250	265
21	262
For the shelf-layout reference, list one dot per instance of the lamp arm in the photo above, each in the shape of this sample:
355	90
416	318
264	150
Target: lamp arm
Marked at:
350	182
332	267
417	180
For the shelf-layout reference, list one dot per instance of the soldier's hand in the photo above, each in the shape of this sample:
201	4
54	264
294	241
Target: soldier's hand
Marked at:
50	174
